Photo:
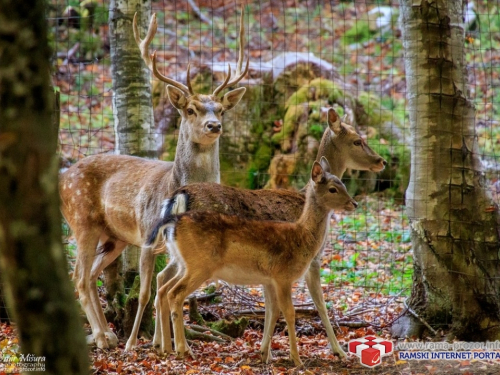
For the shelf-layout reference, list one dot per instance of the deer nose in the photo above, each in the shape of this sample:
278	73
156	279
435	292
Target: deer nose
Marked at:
214	126
382	160
354	203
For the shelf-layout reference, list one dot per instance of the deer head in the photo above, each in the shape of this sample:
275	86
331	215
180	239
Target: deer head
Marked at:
344	142
203	113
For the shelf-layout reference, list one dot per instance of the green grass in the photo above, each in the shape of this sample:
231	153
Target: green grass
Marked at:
371	249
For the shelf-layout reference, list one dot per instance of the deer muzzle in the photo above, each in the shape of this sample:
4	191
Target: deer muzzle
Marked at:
213	127
351	205
381	165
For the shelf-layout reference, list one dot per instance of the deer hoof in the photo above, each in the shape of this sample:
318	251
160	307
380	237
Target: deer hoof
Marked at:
156	342
184	354
340	352
100	341
266	357
111	339
90	340
296	361
131	344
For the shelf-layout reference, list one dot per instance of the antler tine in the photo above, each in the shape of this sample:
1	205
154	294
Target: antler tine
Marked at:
223	84
241	55
165	79
143	44
151	63
241	52
188	79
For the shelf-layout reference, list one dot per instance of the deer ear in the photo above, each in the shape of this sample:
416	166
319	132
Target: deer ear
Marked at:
233	97
176	97
317	172
334	121
324	164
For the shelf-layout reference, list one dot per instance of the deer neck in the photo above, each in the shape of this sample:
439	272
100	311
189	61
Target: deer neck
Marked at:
329	149
315	219
195	162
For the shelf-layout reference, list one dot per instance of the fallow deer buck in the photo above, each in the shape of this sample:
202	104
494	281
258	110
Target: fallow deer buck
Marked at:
207	244
110	201
341	145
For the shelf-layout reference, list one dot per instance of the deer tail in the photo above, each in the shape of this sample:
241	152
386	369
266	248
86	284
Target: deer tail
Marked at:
171	207
176	205
164	228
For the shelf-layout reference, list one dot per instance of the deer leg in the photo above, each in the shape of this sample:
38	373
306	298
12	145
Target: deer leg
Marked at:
100	263
164	312
313	281
146	268
284	294
189	282
162	278
271	316
87	243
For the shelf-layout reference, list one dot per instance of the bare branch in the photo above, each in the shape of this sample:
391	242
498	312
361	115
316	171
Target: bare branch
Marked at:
197	11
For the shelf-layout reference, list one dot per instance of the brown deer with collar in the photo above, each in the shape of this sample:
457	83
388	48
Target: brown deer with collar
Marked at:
207	244
110	201
341	145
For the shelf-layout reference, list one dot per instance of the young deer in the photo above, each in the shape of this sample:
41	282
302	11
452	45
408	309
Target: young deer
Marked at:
110	201
242	251
341	145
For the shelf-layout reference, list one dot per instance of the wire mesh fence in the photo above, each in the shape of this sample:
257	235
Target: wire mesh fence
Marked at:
305	57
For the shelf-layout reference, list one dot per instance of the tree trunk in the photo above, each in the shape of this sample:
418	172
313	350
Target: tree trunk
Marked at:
454	222
32	261
4	314
132	106
135	135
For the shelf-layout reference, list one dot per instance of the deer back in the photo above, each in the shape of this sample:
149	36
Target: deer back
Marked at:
342	146
251	251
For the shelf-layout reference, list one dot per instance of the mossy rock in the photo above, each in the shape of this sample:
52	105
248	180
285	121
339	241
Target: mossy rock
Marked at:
371	112
234	328
257	175
295	115
291	79
130	308
315	90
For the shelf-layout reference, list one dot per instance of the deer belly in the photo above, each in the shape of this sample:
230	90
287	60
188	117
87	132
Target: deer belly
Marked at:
239	275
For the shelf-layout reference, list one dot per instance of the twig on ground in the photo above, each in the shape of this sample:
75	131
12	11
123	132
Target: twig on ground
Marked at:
259	314
191	334
208	297
201	329
412	312
198	13
357	324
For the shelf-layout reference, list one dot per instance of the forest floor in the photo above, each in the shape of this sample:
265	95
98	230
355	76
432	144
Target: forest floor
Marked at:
241	356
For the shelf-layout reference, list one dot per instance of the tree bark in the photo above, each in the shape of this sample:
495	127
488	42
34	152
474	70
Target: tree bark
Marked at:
135	135
132	105
32	261
454	222
4	314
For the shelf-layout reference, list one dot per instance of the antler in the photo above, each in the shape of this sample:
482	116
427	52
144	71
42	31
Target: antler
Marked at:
239	74
151	63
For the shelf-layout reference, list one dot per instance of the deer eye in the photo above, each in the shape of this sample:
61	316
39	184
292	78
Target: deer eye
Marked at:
190	111
333	190
357	142
222	113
